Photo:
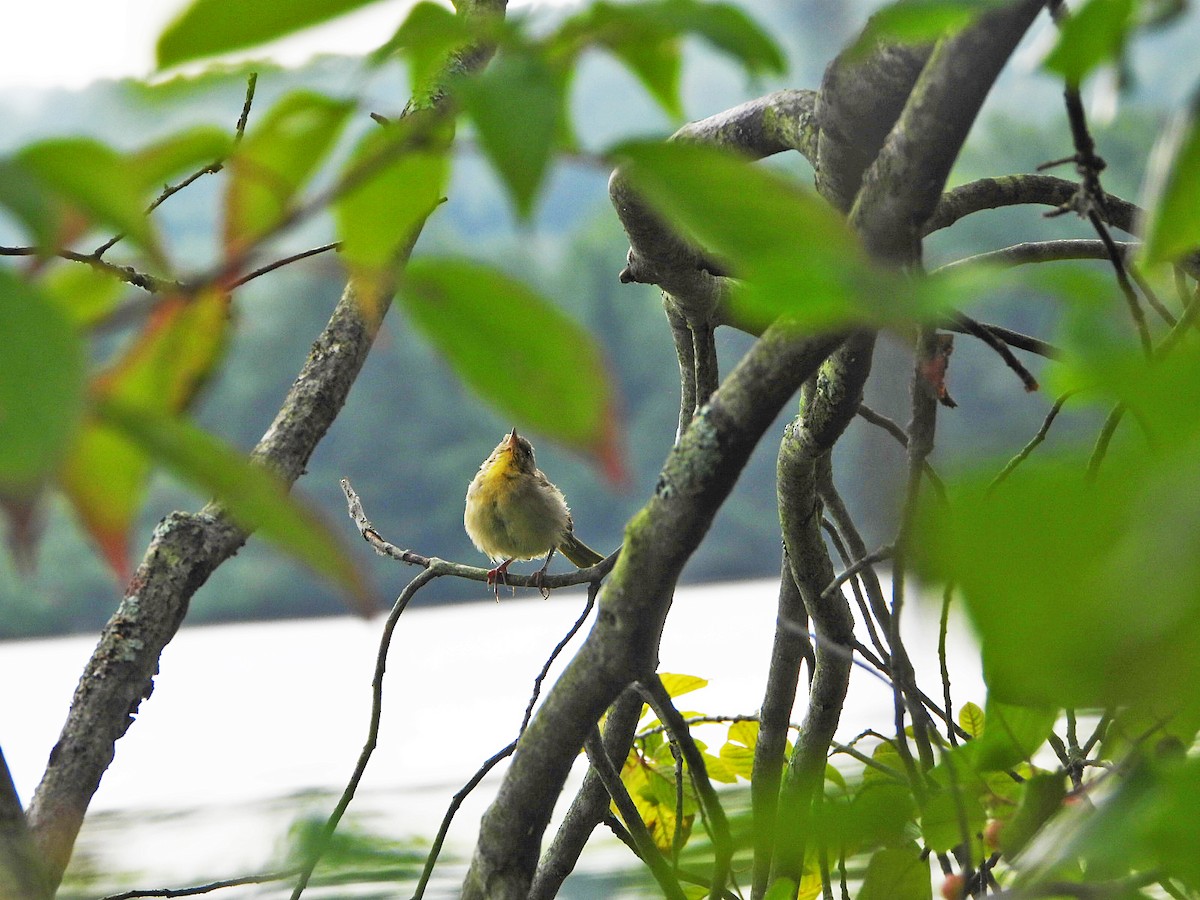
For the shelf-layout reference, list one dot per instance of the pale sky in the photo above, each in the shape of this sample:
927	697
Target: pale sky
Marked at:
69	43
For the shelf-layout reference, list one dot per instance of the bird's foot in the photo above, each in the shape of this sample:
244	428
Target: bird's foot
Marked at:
498	576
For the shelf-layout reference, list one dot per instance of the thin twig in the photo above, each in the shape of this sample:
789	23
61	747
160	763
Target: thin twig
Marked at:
943	629
280	263
1012	464
265	878
988	336
884	552
211	169
364	757
457	800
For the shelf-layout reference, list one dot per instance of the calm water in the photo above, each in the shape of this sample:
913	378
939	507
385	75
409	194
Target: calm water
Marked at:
252	725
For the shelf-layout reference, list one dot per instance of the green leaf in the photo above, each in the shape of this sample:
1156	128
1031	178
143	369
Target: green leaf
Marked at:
1146	825
211	27
646	38
1173	216
381	216
1012	735
41	387
1041	797
897	874
33	205
185	151
879	814
518	107
426	38
943	816
517	351
255	497
85	294
1061	576
781	889
1093	36
101	183
105	481
161	370
918	21
275	160
794	254
970	717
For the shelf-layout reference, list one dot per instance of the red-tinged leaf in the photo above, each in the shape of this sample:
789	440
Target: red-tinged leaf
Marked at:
173	355
105	481
274	161
517	351
105	477
41	387
96	180
254	496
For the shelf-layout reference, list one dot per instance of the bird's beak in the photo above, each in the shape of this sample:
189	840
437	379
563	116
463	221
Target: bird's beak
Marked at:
510	440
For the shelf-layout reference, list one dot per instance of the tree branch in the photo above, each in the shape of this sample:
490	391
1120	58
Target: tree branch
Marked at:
622	646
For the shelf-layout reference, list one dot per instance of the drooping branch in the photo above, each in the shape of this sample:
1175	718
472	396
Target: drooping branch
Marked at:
830	402
184	551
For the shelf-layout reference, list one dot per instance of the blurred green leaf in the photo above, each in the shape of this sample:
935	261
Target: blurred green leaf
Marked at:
918	21
1011	734
85	294
646	38
1041	797
517	106
101	183
211	27
275	160
1173	208
382	214
33	205
1093	36
1143	826
517	351
105	481
781	889
944	815
161	370
182	152
898	873
255	497
1064	579
879	815
41	387
426	38
794	254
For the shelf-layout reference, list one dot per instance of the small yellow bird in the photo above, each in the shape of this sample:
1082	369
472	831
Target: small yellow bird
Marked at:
514	512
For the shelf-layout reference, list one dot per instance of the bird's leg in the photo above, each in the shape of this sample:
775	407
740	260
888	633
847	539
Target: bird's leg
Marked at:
499	575
541	573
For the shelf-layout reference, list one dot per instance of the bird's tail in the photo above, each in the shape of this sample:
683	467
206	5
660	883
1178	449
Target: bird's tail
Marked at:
578	552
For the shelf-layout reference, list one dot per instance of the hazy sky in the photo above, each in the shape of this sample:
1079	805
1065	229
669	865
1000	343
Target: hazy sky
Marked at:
68	43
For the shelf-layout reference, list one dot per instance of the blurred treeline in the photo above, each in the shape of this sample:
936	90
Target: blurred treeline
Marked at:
411	436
